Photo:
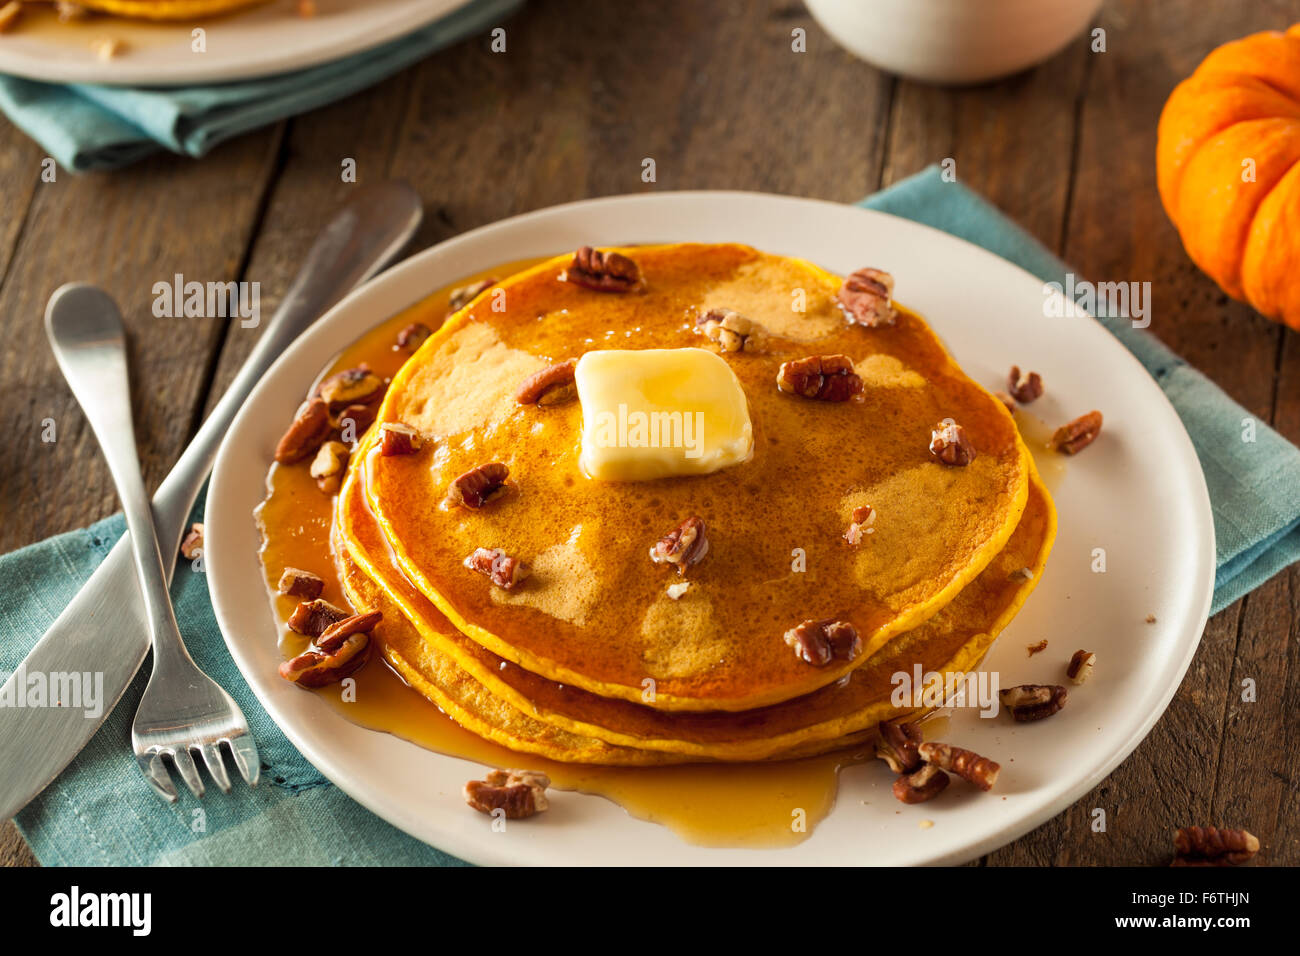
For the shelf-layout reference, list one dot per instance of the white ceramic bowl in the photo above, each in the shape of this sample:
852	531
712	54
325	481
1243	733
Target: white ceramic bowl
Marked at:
954	41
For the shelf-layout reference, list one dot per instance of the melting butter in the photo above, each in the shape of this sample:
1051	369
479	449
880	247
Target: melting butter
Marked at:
657	413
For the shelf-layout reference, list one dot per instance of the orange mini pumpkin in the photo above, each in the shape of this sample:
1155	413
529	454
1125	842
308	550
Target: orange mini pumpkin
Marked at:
1228	167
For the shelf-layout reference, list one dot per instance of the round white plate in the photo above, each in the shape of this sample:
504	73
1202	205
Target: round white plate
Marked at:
1136	497
257	42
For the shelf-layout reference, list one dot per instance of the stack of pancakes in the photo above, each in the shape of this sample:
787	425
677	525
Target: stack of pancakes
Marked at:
592	658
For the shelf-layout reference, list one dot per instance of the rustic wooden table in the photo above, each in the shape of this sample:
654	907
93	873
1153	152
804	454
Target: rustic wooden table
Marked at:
714	94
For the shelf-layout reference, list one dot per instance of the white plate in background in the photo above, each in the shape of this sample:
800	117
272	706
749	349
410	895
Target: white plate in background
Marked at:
259	41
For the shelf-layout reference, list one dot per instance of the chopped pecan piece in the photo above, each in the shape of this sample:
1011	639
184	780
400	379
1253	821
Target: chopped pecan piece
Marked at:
863	518
334	636
552	385
413	336
316	668
826	378
192	546
1213	846
966	764
603	271
352	386
865	298
295	582
1078	434
505	571
1037	648
684	547
327	466
731	330
398	439
1007	401
1026	387
480	485
1033	701
675	591
1080	667
896	745
465	294
949	444
519	793
313	618
820	642
925	784
1023	574
352	422
311	426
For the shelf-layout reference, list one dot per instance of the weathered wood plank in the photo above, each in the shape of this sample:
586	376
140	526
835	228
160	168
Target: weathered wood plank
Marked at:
124	231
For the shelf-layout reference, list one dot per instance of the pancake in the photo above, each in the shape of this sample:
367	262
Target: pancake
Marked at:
595	614
953	641
168	9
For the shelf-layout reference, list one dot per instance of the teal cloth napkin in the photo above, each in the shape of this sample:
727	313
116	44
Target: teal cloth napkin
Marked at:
99	811
88	127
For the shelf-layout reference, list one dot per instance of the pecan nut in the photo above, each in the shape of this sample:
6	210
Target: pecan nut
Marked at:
966	764
313	618
517	793
396	438
1007	401
413	336
505	572
334	636
896	745
1024	388
1033	701
820	642
1213	846
866	300
683	547
480	485
1036	648
949	444
352	422
1080	667
311	426
316	668
295	582
553	385
465	294
603	271
732	331
1070	438
352	386
192	546
826	378
922	785
863	518
327	466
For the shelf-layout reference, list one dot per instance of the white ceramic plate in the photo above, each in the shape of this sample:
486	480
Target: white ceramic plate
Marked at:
1138	493
258	42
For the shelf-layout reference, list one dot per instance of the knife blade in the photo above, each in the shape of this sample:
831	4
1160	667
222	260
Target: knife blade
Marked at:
103	629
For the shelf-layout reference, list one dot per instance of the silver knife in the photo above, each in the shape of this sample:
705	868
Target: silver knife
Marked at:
103	630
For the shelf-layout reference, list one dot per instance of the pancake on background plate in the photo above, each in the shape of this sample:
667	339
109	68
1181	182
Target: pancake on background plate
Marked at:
167	9
776	476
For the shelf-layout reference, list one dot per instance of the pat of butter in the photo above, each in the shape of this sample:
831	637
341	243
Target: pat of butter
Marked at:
656	413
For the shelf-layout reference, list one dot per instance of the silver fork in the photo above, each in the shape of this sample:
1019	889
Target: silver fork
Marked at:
183	712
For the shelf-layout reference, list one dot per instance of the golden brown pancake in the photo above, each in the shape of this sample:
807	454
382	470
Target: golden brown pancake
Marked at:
595	613
953	641
168	9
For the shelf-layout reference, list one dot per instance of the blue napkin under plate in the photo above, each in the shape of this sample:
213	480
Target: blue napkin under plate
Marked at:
99	811
90	127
